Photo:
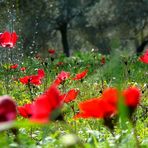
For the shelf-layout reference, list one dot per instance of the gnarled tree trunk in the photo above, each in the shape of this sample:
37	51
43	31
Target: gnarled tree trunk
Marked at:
63	31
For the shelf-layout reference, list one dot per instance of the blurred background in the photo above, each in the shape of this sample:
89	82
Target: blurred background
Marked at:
76	25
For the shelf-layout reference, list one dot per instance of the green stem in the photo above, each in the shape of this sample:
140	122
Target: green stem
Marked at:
75	125
30	90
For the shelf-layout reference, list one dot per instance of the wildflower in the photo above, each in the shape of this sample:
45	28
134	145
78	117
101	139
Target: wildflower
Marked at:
103	107
81	75
33	79
25	111
51	51
23	68
7	109
110	95
24	80
61	77
132	97
13	66
70	95
41	109
8	39
89	109
144	58
41	73
45	104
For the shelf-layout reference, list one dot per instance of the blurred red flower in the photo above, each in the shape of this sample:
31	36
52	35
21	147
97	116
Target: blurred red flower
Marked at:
23	68
7	109
81	75
33	79
132	97
25	111
14	66
89	109
51	51
8	39
107	105
144	58
110	95
61	77
103	107
70	95
25	80
45	104
41	73
41	109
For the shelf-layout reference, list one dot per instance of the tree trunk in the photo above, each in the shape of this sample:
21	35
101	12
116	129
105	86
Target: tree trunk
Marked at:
63	31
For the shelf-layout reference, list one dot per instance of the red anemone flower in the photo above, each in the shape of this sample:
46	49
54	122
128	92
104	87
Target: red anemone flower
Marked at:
132	97
24	80
45	104
25	111
33	79
111	96
23	68
144	58
7	109
70	95
96	108
8	39
61	77
103	107
81	75
13	66
41	73
51	51
40	110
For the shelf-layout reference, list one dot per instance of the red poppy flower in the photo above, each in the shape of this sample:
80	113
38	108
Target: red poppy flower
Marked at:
41	73
89	109
144	58
8	39
132	97
44	105
70	95
111	96
25	111
103	107
61	77
24	80
7	109
13	66
81	75
33	79
23	68
41	109
96	108
51	51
